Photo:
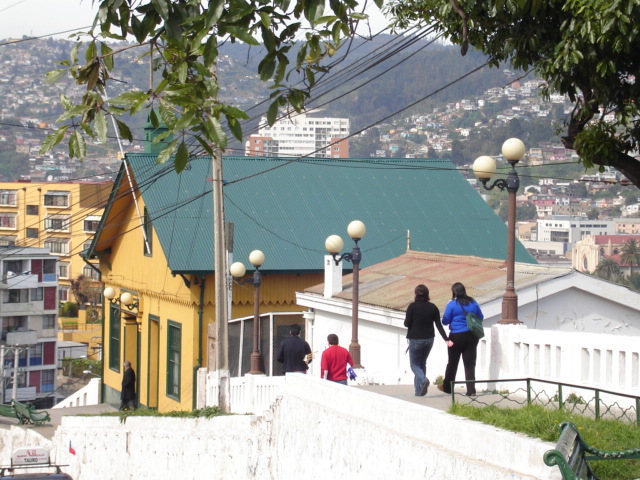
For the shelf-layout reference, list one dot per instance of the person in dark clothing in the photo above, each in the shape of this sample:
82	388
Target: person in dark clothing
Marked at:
128	393
294	353
420	319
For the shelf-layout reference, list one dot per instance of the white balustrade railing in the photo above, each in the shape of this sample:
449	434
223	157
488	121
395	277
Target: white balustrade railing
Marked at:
248	394
87	395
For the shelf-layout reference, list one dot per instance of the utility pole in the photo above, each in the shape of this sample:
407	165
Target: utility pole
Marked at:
1	374
221	341
218	351
16	359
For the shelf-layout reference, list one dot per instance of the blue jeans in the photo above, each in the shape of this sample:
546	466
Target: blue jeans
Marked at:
418	353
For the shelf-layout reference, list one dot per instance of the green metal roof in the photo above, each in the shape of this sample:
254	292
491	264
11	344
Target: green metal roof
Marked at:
287	209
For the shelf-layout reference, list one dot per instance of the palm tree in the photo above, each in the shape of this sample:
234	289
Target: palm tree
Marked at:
630	255
608	269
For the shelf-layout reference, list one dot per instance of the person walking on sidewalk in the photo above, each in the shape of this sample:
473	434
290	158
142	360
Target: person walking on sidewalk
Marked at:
128	393
420	319
333	364
294	353
461	341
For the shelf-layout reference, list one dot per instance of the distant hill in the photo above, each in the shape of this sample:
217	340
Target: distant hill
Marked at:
376	79
387	88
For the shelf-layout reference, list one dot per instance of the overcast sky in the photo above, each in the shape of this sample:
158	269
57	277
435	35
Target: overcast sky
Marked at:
46	17
43	17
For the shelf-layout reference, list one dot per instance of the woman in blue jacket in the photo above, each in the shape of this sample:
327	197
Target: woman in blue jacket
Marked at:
461	341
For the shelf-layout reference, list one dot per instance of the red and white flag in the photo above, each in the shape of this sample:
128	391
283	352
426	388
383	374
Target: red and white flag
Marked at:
72	450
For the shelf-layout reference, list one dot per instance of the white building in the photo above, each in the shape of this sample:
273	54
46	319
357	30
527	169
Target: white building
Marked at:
28	324
569	230
550	300
301	135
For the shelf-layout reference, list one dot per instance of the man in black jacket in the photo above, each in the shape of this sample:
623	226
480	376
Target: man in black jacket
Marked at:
293	352
128	393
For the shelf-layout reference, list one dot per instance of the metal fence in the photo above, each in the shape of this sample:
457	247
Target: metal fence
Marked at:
579	399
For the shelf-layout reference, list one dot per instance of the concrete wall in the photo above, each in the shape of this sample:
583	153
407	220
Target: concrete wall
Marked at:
316	430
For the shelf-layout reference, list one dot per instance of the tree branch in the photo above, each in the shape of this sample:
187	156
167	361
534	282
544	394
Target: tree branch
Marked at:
464	44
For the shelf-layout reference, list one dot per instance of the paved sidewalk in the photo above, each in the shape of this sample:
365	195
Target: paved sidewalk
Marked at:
434	397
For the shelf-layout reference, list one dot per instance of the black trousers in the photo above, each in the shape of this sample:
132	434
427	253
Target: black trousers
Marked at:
465	345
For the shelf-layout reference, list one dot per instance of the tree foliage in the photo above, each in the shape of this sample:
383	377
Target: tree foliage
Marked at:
608	269
630	255
183	37
586	49
86	290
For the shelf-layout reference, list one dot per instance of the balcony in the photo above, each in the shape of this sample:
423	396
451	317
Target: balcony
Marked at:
19	337
19	280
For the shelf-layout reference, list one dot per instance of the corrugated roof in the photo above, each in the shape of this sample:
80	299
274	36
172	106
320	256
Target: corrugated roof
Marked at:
390	284
287	209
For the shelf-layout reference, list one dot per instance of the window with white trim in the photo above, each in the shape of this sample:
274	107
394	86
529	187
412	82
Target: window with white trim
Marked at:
36	294
48	321
54	198
58	246
59	223
63	293
63	269
8	220
9	197
16	295
89	272
8	240
91	223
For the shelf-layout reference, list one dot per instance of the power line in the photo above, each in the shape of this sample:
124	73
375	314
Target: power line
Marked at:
28	39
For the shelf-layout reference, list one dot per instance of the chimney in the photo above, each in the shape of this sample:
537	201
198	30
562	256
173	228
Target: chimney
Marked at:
332	276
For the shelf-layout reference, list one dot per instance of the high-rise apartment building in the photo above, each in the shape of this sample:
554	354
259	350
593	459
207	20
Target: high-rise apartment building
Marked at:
301	135
28	325
60	216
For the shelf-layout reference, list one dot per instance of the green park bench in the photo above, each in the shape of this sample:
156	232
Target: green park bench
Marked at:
8	411
572	455
27	415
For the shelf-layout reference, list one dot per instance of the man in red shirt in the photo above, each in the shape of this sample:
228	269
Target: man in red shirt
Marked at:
333	365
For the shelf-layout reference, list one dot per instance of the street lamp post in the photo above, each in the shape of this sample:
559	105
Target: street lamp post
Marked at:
334	243
237	270
484	167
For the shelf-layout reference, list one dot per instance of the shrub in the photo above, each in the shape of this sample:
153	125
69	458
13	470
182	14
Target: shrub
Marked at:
69	309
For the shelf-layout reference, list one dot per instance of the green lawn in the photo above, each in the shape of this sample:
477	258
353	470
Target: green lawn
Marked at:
539	422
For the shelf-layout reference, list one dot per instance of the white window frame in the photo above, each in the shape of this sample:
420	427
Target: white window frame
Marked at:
63	293
63	249
8	220
58	195
89	272
8	198
63	269
94	220
8	240
49	321
64	223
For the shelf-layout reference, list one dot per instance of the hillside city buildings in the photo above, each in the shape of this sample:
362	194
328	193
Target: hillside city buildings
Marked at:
301	135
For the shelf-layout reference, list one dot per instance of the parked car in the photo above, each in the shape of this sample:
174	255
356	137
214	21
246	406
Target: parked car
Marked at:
25	458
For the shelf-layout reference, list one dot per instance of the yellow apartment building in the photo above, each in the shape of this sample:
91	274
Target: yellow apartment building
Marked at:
60	216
